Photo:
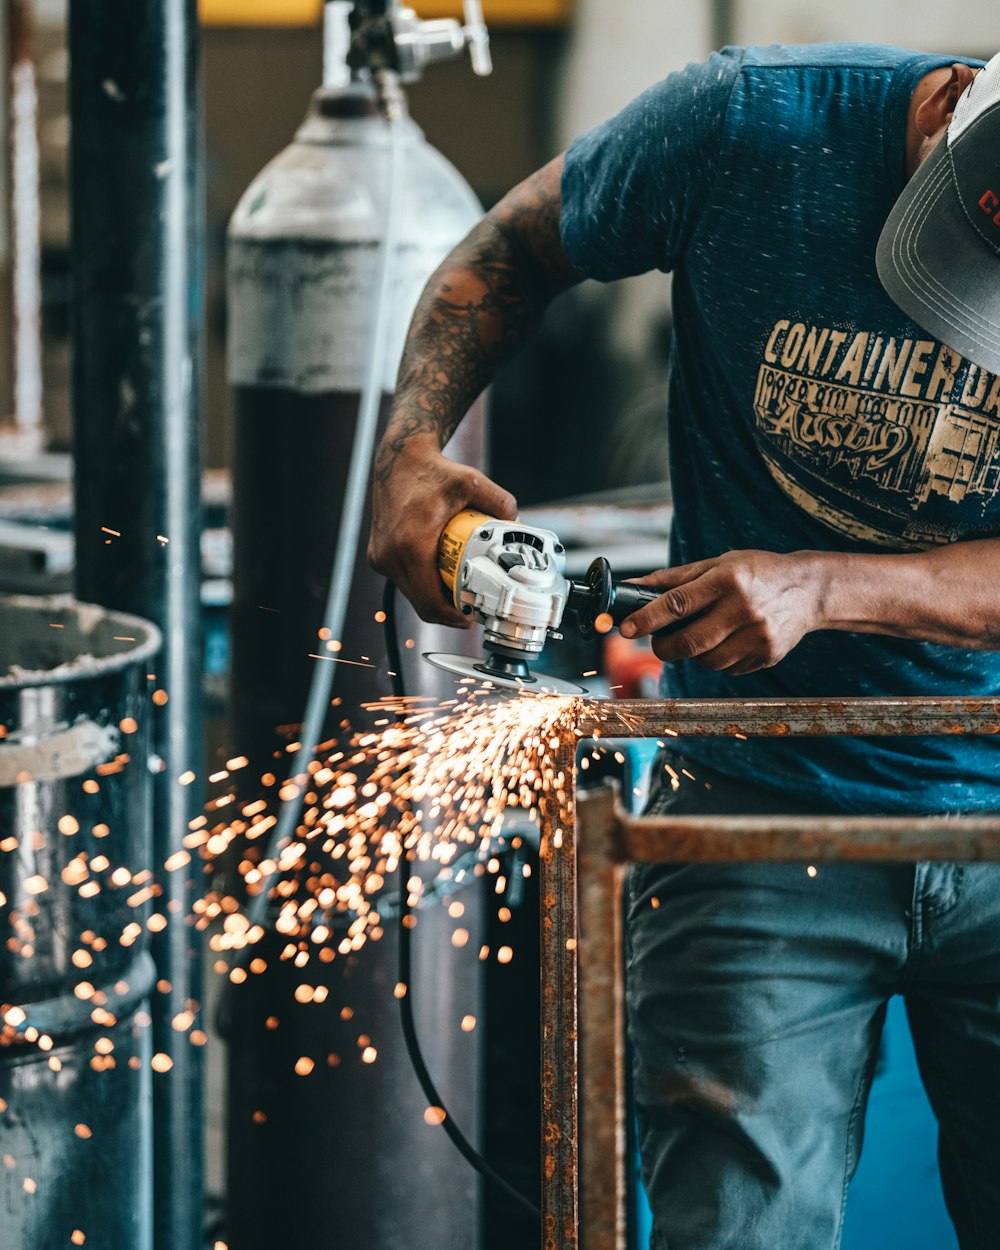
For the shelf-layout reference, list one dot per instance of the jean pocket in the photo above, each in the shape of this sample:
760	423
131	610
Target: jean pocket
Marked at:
664	784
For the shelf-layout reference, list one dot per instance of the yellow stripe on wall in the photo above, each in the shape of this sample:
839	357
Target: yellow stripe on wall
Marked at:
309	12
261	12
504	12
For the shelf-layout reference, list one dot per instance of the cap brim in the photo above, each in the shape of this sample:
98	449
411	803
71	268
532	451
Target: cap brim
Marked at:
936	267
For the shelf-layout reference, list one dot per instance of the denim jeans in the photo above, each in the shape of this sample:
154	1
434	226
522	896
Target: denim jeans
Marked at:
756	997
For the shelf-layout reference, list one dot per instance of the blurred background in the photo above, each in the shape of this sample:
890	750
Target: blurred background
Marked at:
587	396
560	68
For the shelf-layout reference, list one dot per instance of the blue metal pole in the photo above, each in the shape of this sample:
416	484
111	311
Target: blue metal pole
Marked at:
137	317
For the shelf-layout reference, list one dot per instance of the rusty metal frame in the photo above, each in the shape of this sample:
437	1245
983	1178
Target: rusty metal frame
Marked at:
585	845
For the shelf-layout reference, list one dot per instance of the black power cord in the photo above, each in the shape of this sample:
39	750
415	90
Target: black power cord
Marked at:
455	1134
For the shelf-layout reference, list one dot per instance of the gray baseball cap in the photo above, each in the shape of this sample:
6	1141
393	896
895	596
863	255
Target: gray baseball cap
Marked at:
939	253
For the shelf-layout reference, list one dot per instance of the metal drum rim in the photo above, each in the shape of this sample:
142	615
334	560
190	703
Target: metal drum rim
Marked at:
69	672
65	1017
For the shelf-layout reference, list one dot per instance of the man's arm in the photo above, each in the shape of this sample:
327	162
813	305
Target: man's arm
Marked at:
747	609
478	309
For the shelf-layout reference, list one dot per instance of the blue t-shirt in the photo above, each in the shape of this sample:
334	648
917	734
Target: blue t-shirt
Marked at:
806	411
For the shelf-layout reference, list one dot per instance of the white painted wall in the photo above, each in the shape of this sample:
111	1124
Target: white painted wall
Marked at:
51	13
960	26
616	49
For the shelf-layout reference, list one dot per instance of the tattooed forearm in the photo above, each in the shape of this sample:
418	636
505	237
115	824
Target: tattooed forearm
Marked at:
477	311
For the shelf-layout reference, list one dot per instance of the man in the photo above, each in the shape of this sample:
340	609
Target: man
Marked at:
835	470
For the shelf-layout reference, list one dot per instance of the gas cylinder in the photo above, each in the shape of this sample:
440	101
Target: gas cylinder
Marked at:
341	1156
303	252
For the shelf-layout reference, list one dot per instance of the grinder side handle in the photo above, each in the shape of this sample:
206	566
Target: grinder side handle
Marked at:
602	596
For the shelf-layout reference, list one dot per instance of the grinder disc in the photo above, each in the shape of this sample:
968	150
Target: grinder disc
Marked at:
469	666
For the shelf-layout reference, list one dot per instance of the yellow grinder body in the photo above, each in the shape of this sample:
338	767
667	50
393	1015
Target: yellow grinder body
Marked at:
452	545
508	577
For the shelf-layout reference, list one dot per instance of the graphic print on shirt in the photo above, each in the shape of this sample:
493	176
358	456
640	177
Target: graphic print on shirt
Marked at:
892	441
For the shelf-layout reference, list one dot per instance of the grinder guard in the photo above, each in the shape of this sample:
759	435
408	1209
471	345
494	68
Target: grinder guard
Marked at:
509	577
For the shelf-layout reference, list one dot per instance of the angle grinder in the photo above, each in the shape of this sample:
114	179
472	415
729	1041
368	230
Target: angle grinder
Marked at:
509	577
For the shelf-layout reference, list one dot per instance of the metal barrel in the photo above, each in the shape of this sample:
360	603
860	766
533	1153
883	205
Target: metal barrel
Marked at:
76	902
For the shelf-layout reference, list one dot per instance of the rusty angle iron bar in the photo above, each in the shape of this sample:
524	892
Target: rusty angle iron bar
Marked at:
728	839
557	853
732	838
787	718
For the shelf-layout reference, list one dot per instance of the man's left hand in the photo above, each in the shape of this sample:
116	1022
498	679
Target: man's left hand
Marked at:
736	613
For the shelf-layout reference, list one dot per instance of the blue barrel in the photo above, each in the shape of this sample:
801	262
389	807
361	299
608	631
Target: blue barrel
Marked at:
77	893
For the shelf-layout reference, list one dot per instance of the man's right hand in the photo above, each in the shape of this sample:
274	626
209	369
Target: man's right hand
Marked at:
410	509
478	308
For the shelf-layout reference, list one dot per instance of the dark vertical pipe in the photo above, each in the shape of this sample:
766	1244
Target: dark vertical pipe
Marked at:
137	296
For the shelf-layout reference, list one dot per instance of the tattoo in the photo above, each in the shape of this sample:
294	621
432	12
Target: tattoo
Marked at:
478	309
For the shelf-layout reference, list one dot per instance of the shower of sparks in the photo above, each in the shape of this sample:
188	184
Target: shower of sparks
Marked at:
427	790
429	783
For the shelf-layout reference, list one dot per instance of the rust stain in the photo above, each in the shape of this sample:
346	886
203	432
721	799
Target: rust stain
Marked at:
680	1090
731	839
